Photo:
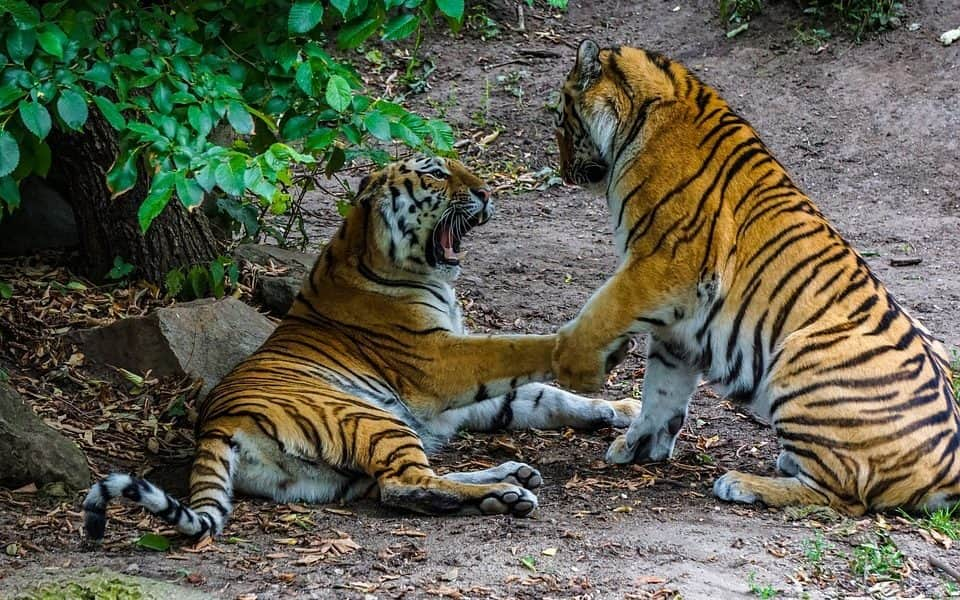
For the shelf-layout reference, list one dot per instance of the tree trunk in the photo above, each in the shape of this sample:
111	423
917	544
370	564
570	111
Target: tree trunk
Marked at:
109	228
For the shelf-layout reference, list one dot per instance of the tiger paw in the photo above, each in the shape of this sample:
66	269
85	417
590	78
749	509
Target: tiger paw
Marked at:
620	452
510	500
624	412
731	488
576	368
522	474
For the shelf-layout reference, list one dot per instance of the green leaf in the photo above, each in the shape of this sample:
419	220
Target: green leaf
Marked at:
451	8
296	127
122	175
229	175
20	44
153	541
341	5
304	77
304	16
72	107
352	36
121	269
25	15
52	39
378	125
441	134
100	74
199	280
10	192
338	93
189	192
110	112
6	292
160	192
239	118
9	93
9	153
174	282
200	120
217	274
35	118
245	214
161	98
401	27
42	158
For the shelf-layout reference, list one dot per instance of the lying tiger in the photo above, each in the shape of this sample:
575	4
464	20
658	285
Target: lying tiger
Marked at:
370	368
737	276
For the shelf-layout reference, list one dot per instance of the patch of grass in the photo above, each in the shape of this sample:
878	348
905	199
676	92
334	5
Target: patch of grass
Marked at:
945	521
764	592
856	16
880	558
481	116
739	11
815	549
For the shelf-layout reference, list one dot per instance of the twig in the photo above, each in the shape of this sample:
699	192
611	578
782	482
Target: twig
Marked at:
521	23
521	61
540	53
940	564
905	262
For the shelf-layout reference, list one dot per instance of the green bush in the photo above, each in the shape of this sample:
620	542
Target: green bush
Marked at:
857	16
165	76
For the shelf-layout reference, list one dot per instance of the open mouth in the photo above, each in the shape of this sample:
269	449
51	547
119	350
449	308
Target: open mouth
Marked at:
449	233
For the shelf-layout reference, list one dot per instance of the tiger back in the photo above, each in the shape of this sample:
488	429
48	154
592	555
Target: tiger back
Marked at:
737	277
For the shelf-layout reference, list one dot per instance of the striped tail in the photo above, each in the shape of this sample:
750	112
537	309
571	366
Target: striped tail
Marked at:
207	518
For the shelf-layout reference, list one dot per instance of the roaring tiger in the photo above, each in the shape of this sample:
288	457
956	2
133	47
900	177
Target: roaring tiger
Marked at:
736	276
369	369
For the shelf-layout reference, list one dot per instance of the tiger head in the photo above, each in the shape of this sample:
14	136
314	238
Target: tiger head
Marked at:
418	212
605	99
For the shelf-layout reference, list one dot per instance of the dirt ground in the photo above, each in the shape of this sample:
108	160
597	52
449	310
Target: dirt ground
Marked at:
871	131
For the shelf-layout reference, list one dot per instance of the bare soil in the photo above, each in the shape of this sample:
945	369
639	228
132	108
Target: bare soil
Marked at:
870	130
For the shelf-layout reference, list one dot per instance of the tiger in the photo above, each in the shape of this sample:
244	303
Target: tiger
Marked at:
369	370
734	275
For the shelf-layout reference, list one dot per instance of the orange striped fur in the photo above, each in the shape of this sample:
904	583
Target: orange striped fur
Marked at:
736	277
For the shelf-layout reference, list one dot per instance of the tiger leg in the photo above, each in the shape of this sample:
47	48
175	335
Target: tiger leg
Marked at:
735	486
393	455
668	384
513	472
537	406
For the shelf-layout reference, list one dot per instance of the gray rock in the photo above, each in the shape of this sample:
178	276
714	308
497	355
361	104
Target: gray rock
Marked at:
31	582
33	452
203	339
44	220
276	292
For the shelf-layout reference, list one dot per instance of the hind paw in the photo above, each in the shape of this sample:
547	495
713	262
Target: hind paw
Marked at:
624	412
731	488
522	475
515	501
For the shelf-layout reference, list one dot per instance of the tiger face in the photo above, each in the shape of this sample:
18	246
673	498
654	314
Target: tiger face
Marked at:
420	210
582	159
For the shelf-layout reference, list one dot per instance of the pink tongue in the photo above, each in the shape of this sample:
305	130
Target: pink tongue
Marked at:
446	242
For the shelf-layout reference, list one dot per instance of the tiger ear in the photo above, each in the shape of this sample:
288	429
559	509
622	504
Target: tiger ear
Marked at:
368	182
588	68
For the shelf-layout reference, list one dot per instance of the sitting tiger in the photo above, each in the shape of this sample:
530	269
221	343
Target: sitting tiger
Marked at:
737	276
370	367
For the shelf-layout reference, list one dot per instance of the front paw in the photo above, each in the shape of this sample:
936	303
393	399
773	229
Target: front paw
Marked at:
731	488
576	368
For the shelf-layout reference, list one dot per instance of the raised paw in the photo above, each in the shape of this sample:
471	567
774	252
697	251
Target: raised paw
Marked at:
511	500
522	475
731	488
